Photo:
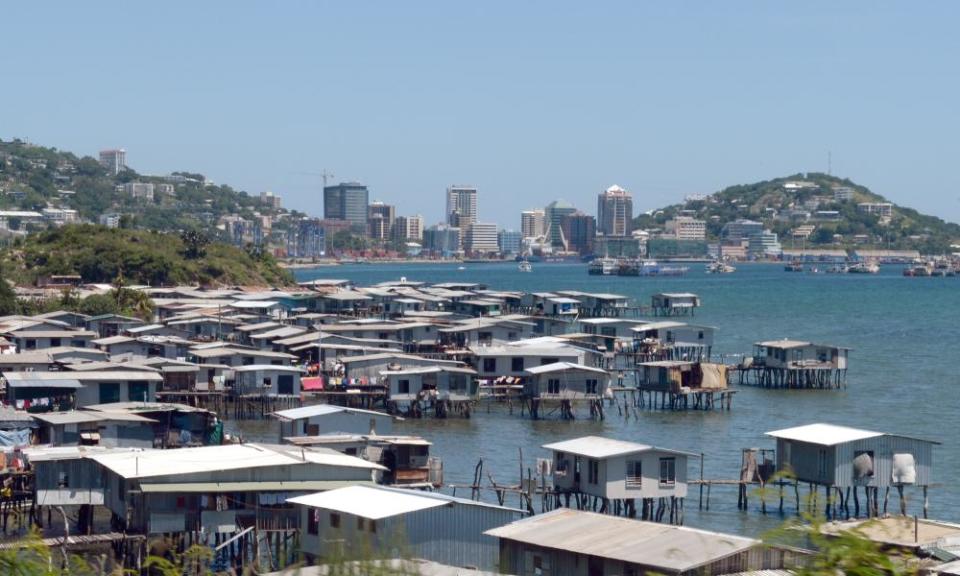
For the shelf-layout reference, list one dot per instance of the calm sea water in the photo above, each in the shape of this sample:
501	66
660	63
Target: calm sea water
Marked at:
903	375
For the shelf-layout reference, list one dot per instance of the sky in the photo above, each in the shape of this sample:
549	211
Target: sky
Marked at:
528	101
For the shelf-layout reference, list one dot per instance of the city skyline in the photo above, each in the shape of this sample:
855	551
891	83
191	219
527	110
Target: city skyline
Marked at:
674	101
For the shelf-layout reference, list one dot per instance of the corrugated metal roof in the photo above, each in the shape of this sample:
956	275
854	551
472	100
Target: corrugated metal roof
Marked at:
660	546
152	463
83	416
562	367
289	485
323	410
823	434
368	502
600	447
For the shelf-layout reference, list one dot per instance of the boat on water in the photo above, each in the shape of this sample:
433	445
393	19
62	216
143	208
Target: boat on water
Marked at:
654	268
720	267
603	267
794	266
838	269
864	268
525	266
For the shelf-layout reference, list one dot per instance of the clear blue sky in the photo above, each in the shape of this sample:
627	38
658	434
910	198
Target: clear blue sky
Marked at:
530	101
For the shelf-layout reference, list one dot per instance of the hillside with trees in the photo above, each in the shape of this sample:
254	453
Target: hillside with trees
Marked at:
784	204
106	255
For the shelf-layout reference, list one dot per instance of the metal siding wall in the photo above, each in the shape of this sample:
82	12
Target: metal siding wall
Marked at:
884	447
454	534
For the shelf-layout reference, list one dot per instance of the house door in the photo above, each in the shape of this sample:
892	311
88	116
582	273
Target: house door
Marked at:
285	384
595	566
576	471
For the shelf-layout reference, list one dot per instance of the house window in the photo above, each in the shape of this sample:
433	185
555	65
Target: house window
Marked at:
634	474
863	464
591	386
267	383
669	336
54	342
821	464
403	387
31	344
334	520
285	384
593	471
359	524
489	364
545	361
139	391
78	343
553	386
700	335
516	364
313	521
560	463
668	471
372	526
109	392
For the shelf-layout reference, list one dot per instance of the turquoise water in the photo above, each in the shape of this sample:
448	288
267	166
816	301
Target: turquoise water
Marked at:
903	375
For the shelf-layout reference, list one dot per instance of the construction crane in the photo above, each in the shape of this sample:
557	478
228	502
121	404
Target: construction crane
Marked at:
327	176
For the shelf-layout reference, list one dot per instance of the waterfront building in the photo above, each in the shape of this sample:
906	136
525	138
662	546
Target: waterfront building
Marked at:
674	303
481	238
686	228
380	220
579	231
764	244
618	470
842	457
461	206
569	541
431	385
564	384
408	228
434	526
615	212
532	223
347	201
512	360
740	230
84	387
553	217
509	241
441	240
328	419
114	160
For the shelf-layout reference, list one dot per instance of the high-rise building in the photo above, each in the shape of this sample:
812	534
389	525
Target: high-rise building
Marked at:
408	228
115	161
509	241
481	238
346	201
532	223
553	214
686	228
579	232
461	206
380	220
441	240
615	212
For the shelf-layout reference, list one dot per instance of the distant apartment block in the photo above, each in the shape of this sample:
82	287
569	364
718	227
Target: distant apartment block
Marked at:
580	232
740	230
408	228
347	201
803	232
461	206
115	160
881	209
509	241
164	189
532	223
271	200
60	216
441	240
110	220
380	220
842	193
481	238
615	212
686	228
141	190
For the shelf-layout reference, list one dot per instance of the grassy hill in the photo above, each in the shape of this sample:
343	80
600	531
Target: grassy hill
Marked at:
100	254
772	201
